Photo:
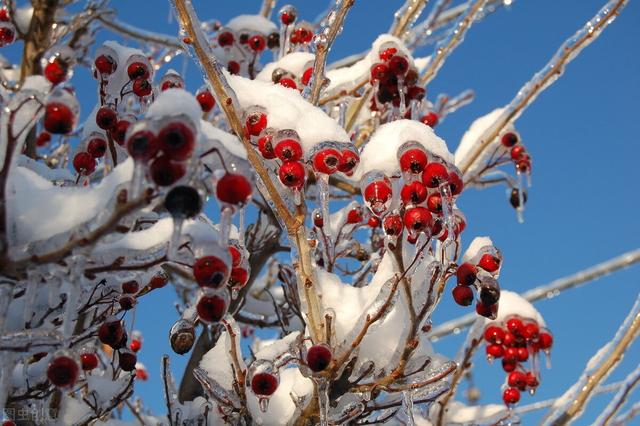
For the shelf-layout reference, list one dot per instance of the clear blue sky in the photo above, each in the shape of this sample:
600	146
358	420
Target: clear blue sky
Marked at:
582	134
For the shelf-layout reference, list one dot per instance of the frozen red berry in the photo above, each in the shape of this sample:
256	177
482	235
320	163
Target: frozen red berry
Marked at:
206	100
508	364
517	152
137	70
119	131
142	145
56	70
97	147
84	163
348	161
106	118
165	172
288	15
63	371
531	331
517	379
211	308
233	67
377	193
210	271
379	72
466	274
256	123
511	396
292	174
141	87
434	203
130	287
135	345
494	334
43	139
89	361
234	188
434	174
355	215
509	139
225	39
326	161
257	43
417	219
462	295
158	280
545	340
532	380
431	119
489	262
413	160
239	277
515	326
177	140
127	360
398	65
265	147
288	82
496	351
111	332
455	183
105	65
319	357
487	311
264	384
413	193
58	118
288	150
392	224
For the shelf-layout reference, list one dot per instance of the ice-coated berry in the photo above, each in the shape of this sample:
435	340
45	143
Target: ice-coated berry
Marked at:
89	361
97	147
165	172
127	360
434	174
509	139
234	188
142	145
462	295
264	384
489	262
326	161
106	118
183	202
177	140
211	308
413	193
494	334
292	174
319	357
413	160
417	219
58	118
466	274
210	271
63	371
511	396
84	163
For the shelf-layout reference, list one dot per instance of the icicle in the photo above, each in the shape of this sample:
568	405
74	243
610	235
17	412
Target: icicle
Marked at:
31	293
137	180
401	87
5	299
76	269
407	407
54	285
520	208
323	401
241	225
297	197
225	225
174	243
264	404
449	218
322	185
342	114
6	372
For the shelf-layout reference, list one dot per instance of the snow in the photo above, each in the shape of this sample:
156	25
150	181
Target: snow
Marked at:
476	245
120	77
287	109
229	141
512	303
175	101
294	63
281	407
43	170
217	361
22	18
37	83
278	347
72	410
380	153
251	23
458	413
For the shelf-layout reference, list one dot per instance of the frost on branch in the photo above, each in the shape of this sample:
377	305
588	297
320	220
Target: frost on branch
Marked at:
100	210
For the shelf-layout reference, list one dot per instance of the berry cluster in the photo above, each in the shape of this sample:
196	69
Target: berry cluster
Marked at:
519	155
7	30
243	47
291	80
480	272
285	148
424	204
394	79
517	341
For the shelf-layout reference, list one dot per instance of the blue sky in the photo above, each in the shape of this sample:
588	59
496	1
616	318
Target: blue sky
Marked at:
582	134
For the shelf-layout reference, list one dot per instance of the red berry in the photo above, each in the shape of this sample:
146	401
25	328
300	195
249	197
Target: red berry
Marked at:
63	371
142	145
137	70
211	308
257	43
234	188
256	123
288	150
58	118
392	224
430	119
165	172
105	65
377	192
127	302
135	345
236	256
532	380
239	277
56	71
265	147
84	163
111	332
515	326
413	193
292	174
511	354
318	221
531	331
509	365
106	118
415	93
523	354
97	147
4	15
466	274
177	140
545	340
523	166
463	295
517	152
509	339
288	17
288	82
489	262
233	67
354	215
348	161
206	100
306	76
158	281
413	160
417	219
373	222
120	130
487	311
511	396
303	34
89	361
388	53
379	72
225	39
455	183
142	87
264	384
434	203
326	161
398	65
210	271
141	374
494	334
319	357
517	379
495	351
43	139
434	174
127	360
509	139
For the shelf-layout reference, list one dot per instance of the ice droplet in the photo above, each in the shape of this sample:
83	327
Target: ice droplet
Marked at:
264	404
407	407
